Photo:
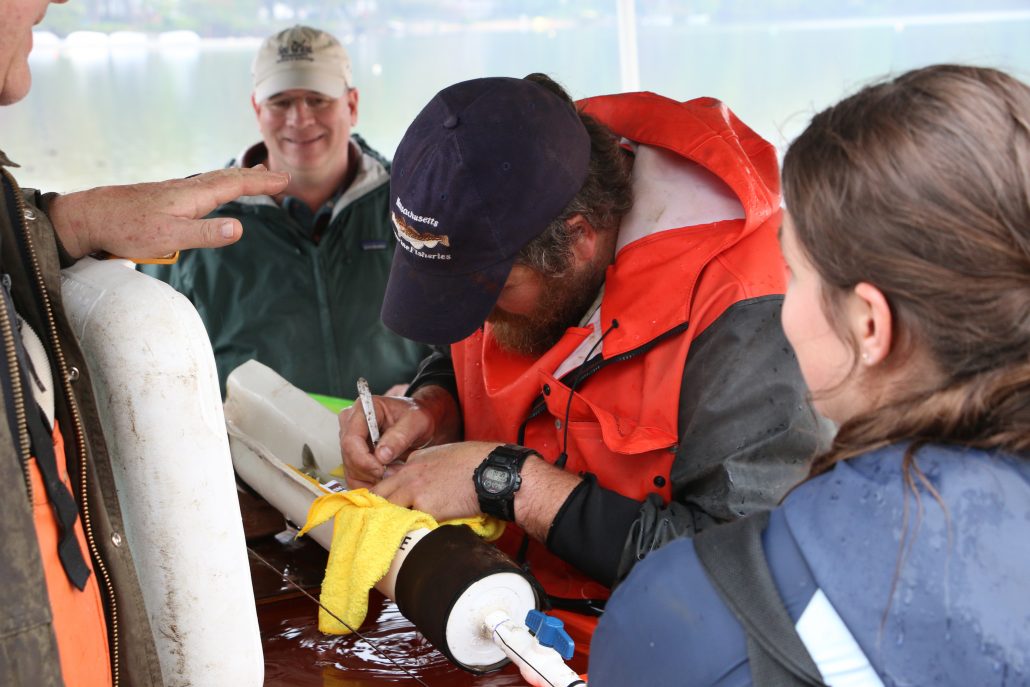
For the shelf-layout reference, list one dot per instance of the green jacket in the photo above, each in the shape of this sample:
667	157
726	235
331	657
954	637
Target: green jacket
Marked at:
30	262
308	310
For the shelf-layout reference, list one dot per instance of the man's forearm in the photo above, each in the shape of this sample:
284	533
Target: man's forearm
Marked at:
544	490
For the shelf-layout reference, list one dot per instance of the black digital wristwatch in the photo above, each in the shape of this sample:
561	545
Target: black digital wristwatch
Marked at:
498	478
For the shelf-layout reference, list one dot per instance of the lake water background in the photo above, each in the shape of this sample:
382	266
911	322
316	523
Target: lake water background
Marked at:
146	112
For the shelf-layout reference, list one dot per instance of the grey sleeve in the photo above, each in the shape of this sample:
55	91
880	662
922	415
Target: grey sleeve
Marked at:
746	429
436	369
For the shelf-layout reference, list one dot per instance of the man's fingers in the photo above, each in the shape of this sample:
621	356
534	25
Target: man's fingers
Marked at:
360	466
358	462
349	424
176	233
404	425
400	437
353	433
151	220
215	233
354	483
408	427
395	491
355	448
223	185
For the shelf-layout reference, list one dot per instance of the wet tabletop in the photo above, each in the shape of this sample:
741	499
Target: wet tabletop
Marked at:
298	655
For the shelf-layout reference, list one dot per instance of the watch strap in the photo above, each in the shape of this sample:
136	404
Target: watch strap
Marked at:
509	456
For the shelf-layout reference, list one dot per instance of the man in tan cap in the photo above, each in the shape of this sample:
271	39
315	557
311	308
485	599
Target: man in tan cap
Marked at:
302	291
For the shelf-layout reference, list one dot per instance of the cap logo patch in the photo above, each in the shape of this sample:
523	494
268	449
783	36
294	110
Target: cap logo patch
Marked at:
413	240
296	50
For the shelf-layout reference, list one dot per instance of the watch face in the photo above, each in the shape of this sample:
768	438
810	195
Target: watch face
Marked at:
494	480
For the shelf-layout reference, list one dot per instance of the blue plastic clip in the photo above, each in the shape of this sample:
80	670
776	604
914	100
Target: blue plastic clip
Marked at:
550	632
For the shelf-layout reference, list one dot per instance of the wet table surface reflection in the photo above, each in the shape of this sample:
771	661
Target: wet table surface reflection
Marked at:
298	655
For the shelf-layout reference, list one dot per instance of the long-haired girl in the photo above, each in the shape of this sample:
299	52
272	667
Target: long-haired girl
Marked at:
905	558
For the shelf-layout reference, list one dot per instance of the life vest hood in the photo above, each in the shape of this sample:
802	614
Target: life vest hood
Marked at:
647	268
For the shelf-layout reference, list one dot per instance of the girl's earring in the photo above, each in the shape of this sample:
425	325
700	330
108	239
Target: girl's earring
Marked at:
865	356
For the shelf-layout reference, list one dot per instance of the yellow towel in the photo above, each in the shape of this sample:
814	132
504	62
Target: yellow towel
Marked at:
367	529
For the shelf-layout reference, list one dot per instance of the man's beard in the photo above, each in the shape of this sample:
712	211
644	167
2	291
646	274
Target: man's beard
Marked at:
564	300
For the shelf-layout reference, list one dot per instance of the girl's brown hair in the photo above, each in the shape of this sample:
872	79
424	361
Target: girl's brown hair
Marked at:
921	186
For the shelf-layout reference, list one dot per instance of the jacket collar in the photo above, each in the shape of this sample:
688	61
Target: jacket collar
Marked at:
704	131
736	190
371	175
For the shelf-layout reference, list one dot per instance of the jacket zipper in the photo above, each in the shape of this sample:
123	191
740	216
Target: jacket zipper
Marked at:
18	396
80	437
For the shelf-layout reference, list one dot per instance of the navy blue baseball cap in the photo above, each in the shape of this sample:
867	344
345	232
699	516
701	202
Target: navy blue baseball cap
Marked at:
480	173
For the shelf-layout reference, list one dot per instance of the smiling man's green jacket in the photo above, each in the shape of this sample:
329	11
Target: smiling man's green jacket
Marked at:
306	305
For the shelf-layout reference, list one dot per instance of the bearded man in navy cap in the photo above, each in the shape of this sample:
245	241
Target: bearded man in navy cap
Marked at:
606	281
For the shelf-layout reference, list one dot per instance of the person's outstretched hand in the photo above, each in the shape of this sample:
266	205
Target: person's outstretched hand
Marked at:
155	219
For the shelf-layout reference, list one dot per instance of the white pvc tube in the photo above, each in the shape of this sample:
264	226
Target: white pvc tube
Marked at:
541	666
387	586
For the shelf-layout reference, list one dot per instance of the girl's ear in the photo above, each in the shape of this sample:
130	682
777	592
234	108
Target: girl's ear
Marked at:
872	323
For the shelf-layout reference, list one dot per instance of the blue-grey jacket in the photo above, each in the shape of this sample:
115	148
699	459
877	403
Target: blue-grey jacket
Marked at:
958	615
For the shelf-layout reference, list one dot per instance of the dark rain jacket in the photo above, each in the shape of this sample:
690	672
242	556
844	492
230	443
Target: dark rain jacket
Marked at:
307	309
31	258
933	592
695	411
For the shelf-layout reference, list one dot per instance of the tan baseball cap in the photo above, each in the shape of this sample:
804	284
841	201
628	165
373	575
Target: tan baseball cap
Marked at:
301	57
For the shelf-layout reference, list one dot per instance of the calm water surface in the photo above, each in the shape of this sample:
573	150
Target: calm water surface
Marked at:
132	114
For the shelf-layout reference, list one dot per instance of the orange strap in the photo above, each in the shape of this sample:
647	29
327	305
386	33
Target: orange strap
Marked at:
78	616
